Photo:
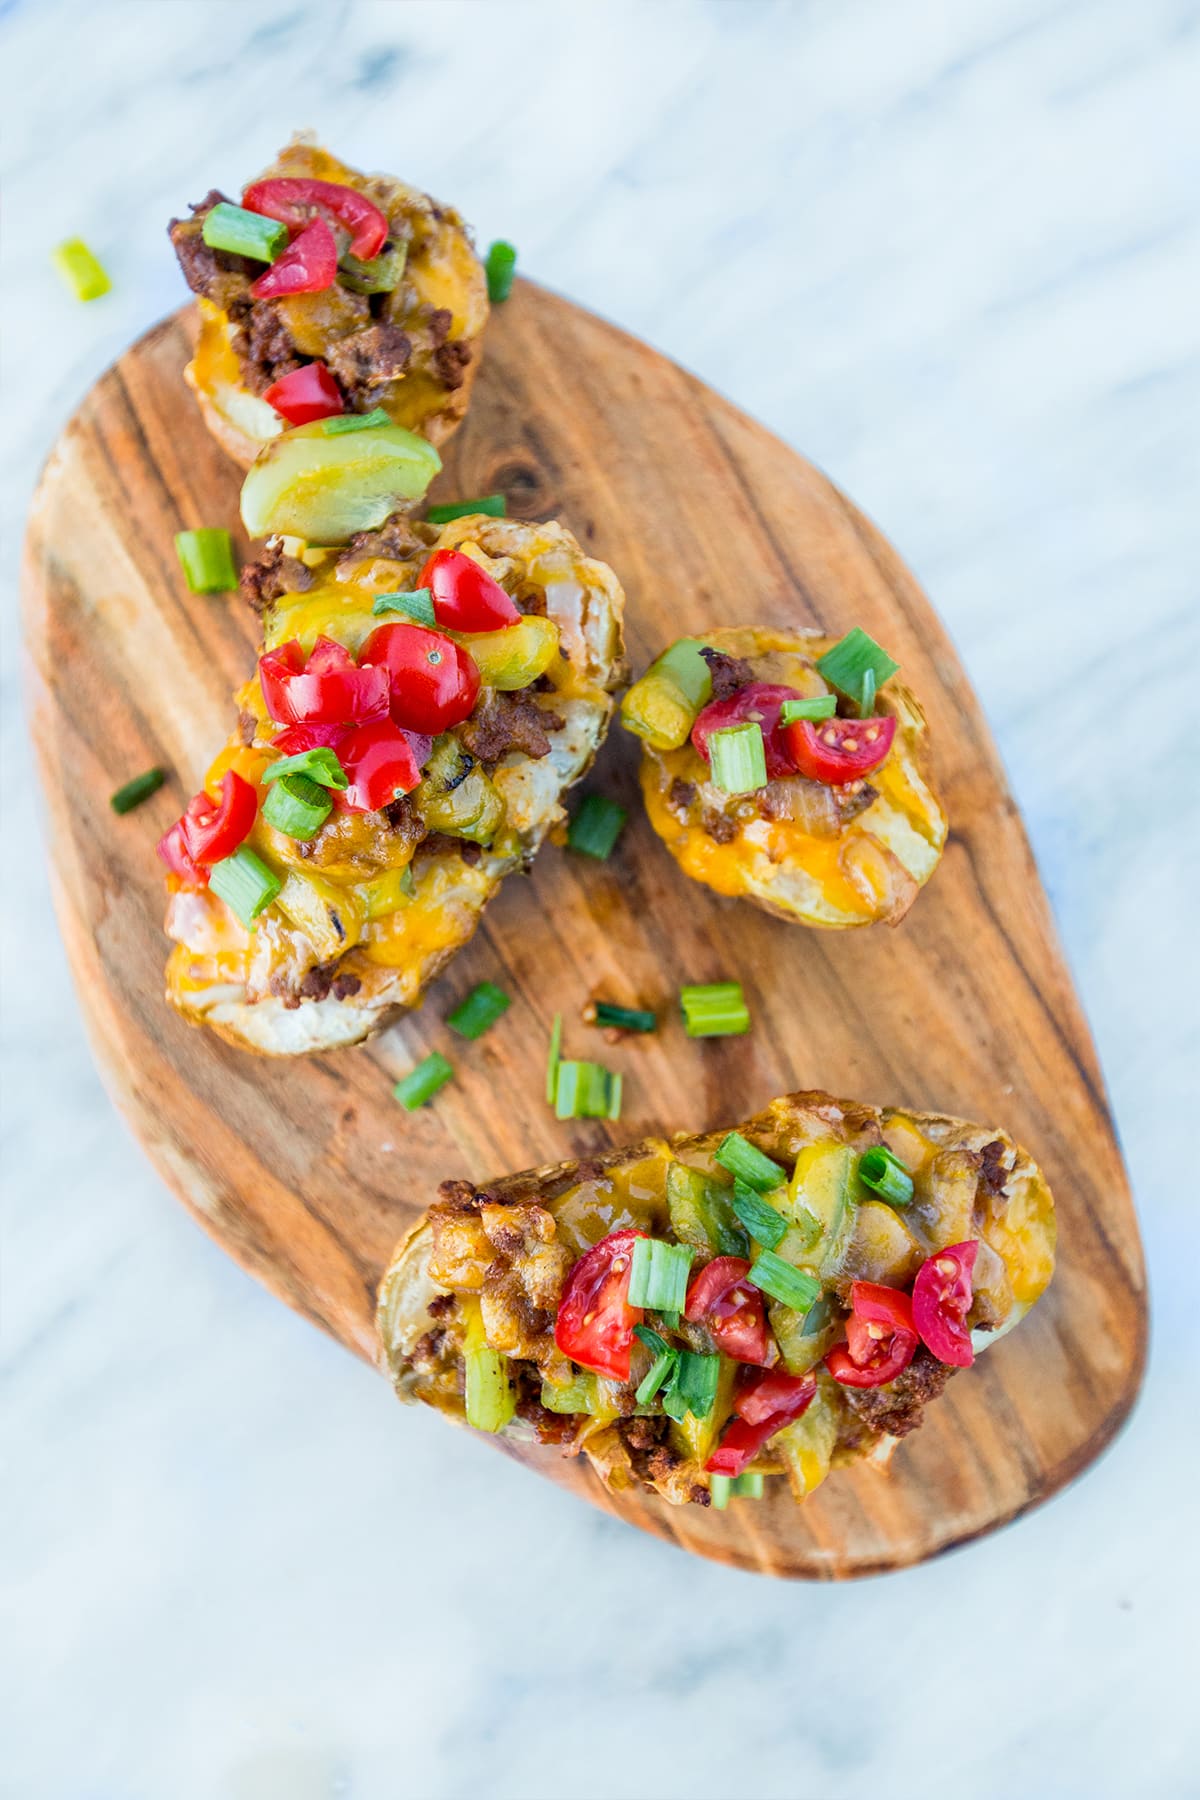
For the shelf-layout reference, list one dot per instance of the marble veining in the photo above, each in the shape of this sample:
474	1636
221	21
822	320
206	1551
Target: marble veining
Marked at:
951	253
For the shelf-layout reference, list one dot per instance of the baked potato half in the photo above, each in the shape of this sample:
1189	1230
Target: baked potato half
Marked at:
828	818
698	1312
398	329
428	759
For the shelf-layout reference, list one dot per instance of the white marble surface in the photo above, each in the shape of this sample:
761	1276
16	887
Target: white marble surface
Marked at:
951	252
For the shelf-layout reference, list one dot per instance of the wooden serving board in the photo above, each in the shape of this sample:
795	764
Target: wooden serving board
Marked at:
308	1171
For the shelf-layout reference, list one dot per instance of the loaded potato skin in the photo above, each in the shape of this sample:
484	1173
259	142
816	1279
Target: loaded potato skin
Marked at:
451	751
806	835
828	1266
398	330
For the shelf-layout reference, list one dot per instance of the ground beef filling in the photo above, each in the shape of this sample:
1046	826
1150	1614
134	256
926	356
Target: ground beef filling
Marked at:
272	576
898	1407
504	722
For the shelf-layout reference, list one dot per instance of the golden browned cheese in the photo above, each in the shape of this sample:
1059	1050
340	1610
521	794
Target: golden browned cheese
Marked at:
502	1255
803	863
363	899
441	274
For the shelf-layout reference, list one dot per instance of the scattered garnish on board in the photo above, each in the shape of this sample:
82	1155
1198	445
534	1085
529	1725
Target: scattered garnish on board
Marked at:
596	827
479	1011
134	791
206	558
619	1018
500	266
82	271
420	1085
716	1009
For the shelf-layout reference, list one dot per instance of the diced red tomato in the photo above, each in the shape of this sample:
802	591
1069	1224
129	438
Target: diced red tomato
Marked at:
326	688
307	266
880	1337
382	762
434	681
209	829
295	738
465	597
760	700
595	1321
764	1406
172	847
306	394
761	1396
733	1311
941	1301
293	200
837	750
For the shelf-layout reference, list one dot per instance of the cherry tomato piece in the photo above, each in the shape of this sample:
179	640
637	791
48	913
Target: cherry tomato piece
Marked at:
595	1321
210	829
326	688
306	394
307	266
294	200
434	681
295	738
755	1424
465	598
941	1300
837	750
382	762
763	1395
732	1310
880	1337
172	847
760	700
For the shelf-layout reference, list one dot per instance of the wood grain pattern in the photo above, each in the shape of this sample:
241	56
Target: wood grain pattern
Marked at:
308	1172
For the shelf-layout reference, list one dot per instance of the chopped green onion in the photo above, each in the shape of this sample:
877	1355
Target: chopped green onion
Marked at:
83	273
417	604
823	707
659	1274
720	1487
479	1011
420	1084
764	1222
354	422
739	758
694	1383
668	1318
494	505
244	882
745	1163
886	1176
500	267
379	275
716	1010
866	703
661	1369
297	806
553	1061
749	1486
207	560
490	1400
134	792
624	1018
320	765
850	660
596	827
647	1335
243	233
795	1287
586	1090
